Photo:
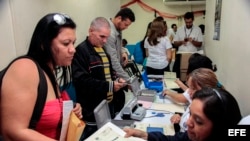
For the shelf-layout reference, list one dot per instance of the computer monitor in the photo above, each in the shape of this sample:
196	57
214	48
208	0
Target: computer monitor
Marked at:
102	116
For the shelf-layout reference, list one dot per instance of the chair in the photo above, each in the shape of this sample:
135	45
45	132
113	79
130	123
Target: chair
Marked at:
152	85
131	49
138	54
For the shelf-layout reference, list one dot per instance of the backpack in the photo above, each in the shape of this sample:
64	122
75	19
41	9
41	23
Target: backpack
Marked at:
41	92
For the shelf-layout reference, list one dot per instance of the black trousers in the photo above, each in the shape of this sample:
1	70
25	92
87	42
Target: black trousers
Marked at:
153	71
118	101
177	65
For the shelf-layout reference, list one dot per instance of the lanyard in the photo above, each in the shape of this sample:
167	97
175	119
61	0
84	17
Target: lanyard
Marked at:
187	36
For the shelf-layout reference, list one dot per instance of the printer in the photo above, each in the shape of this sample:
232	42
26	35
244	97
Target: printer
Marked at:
133	110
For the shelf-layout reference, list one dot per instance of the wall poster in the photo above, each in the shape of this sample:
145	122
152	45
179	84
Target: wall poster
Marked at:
217	20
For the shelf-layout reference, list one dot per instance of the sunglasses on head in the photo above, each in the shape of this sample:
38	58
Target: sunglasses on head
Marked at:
60	19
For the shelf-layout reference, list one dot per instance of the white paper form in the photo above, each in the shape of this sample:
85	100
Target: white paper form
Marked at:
67	108
171	84
168	107
110	132
169	80
169	75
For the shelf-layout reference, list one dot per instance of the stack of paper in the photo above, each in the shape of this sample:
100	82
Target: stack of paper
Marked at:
169	75
169	80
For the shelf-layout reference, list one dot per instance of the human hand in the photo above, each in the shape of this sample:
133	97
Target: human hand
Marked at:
175	118
190	39
178	82
181	84
78	110
166	92
121	80
125	58
120	83
135	133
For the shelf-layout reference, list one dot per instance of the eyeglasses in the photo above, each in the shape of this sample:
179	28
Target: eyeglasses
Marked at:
60	19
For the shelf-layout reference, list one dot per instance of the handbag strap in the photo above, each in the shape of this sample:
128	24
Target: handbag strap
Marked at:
41	92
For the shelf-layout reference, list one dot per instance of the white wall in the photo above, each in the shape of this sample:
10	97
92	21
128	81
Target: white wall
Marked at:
19	18
7	42
137	30
231	53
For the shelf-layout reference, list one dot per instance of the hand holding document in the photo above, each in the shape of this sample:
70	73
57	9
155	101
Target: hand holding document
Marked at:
75	128
110	132
72	126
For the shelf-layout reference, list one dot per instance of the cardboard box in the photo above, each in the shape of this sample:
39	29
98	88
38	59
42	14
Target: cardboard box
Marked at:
184	65
184	60
183	75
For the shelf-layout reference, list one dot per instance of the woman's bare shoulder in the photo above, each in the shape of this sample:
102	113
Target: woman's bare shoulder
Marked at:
23	65
23	70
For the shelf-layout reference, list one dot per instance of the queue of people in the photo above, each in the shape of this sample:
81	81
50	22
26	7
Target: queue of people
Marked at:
97	74
95	67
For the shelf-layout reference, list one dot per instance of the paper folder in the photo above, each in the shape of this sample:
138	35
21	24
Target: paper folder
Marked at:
75	128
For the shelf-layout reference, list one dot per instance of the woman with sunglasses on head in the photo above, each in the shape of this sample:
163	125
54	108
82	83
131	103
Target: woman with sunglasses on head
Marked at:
51	48
210	117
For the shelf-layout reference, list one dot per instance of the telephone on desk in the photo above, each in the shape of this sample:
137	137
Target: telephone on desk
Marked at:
133	110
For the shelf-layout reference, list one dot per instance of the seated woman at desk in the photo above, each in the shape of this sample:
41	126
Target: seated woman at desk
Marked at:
197	80
208	119
196	61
